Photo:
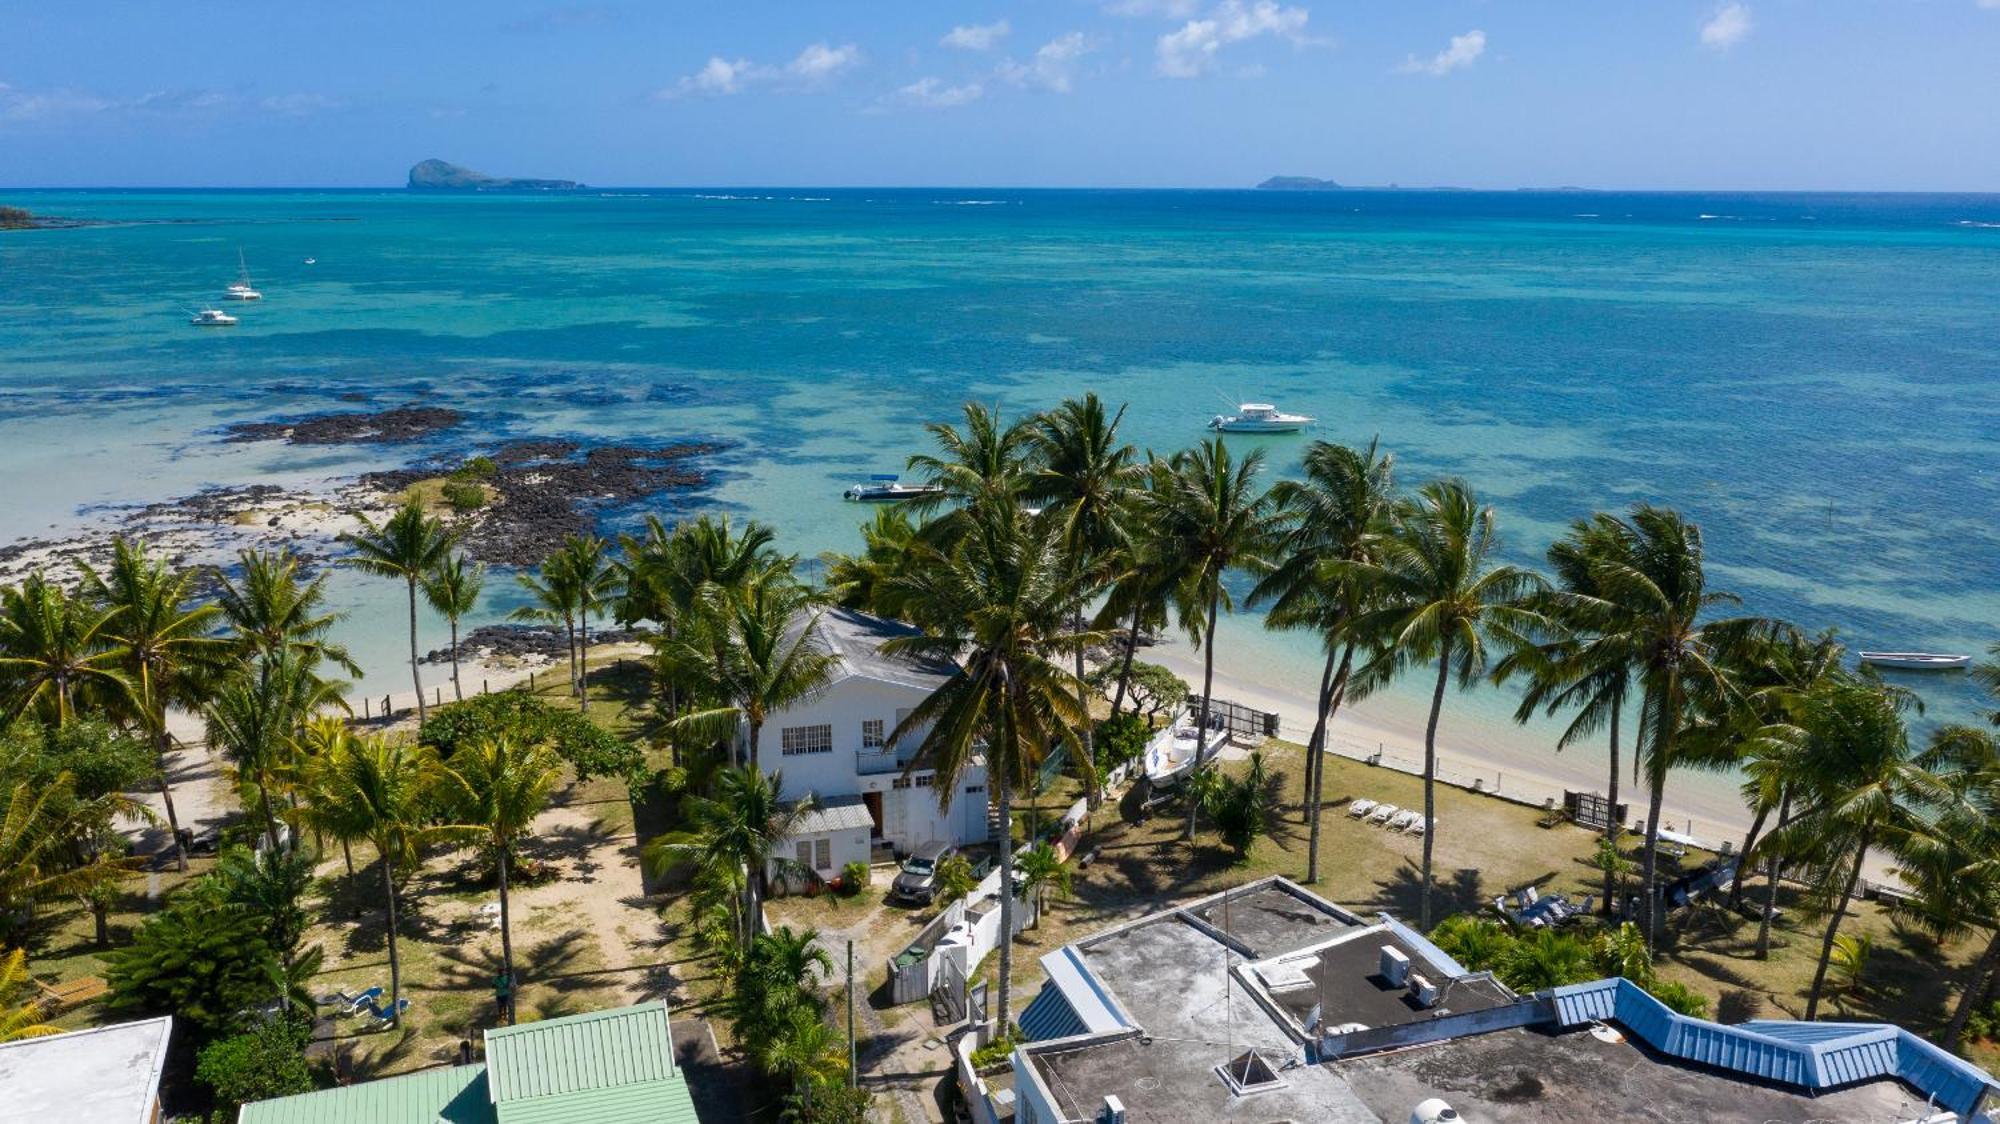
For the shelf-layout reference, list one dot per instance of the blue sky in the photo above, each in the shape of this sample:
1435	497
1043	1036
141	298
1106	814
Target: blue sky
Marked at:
1758	94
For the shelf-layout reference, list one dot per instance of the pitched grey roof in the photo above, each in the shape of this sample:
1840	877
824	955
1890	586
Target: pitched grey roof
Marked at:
856	639
835	813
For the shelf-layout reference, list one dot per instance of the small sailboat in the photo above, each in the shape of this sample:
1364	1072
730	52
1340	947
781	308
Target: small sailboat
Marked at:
887	488
241	289
1259	417
1917	661
212	318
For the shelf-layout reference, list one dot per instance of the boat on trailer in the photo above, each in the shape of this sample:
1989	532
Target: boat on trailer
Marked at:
1174	751
1917	661
887	488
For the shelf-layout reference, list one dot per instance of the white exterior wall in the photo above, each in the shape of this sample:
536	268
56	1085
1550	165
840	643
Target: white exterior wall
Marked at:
844	847
910	815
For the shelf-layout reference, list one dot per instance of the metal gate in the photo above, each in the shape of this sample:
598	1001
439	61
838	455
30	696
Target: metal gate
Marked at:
1239	720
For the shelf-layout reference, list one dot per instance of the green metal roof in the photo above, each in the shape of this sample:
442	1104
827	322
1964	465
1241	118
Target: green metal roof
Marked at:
648	1102
453	1095
580	1053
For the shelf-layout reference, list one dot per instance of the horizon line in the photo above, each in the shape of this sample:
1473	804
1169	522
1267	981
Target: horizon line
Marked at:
586	188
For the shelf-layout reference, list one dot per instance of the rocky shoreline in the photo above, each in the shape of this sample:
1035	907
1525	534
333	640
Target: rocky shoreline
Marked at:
381	427
506	645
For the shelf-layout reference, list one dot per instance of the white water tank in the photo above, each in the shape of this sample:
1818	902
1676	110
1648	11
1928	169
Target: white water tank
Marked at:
1433	1111
1395	966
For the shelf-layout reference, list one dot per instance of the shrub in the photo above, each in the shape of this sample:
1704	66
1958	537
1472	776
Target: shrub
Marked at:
476	468
463	496
1546	958
1476	942
1118	739
589	748
198	960
1680	997
954	879
264	1062
994	1053
853	878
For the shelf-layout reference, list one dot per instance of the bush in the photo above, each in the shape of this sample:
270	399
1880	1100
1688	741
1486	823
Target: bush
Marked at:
853	878
199	960
589	748
476	468
1118	739
1680	997
994	1053
267	1061
955	880
463	496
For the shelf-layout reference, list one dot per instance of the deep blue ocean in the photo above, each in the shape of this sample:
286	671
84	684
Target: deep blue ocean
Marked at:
1814	378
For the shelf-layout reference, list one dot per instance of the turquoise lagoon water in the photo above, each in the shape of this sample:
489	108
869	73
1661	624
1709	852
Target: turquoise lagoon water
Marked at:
1815	378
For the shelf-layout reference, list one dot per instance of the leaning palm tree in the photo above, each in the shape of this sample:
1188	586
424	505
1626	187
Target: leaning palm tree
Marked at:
1333	521
55	650
760	651
256	717
452	589
736	830
494	790
1211	518
171	652
1000	603
408	546
272	609
1440	595
20	1020
385	790
1862	787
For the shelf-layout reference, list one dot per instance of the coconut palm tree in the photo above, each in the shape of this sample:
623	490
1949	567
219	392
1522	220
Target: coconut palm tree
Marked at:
983	466
665	572
1987	674
408	546
324	736
452	589
256	716
385	792
999	603
272	609
1041	869
1439	594
1332	521
19	1020
1137	593
170	649
55	649
1083	477
1953	866
758	652
1211	518
1861	786
807	1051
555	598
867	581
45	852
597	581
737	829
495	789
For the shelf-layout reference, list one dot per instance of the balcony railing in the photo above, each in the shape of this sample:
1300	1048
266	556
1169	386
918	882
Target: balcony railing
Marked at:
887	759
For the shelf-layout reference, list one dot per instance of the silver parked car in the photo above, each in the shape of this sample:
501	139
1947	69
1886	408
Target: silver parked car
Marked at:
918	880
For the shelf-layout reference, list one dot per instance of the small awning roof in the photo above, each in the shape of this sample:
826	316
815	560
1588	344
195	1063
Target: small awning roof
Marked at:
835	813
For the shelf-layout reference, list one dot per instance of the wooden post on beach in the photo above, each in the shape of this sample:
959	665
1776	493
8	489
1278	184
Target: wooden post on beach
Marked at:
440	696
482	686
531	681
365	716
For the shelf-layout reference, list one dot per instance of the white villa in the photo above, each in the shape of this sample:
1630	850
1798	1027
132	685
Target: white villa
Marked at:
835	744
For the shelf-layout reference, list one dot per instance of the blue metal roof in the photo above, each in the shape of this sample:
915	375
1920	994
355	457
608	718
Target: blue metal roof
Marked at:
1810	1055
1050	1016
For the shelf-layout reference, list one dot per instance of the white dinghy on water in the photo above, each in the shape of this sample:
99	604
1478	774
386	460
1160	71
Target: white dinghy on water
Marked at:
886	488
1259	417
1917	661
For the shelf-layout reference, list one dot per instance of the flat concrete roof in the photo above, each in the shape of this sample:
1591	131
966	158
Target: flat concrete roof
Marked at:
106	1075
1535	1076
1167	1079
1347	986
1271	920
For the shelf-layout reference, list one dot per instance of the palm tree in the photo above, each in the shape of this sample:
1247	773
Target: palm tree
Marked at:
1987	674
45	833
256	717
18	1021
867	581
1084	476
555	600
271	609
596	581
171	652
495	790
759	652
984	466
1211	519
384	789
999	603
1333	521
409	546
452	589
1439	594
737	829
665	572
1138	592
806	1050
1861	787
1041	869
55	648
1953	867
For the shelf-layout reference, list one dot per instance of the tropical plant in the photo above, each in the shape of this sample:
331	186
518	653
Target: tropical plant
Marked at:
270	888
256	717
1479	943
1210	517
1240	806
1848	961
1333	522
196	960
806	1051
955	880
1155	690
737	829
494	790
19	1019
1679	998
666	572
758	650
1621	950
554	599
596	581
1545	958
1952	868
524	719
273	610
264	1062
47	845
1439	594
868	581
975	472
1040	869
409	546
55	651
452	589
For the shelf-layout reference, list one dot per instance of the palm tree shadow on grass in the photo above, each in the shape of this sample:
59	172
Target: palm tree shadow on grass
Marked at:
1401	894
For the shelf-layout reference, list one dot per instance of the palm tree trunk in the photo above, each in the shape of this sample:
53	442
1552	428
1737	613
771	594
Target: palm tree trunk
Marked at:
1771	887
1207	696
1004	1016
1650	913
506	943
161	740
583	662
347	853
1742	868
1430	779
457	695
395	965
1833	926
1131	648
1090	793
756	730
415	680
1975	989
1318	795
1614	824
270	821
1317	740
569	632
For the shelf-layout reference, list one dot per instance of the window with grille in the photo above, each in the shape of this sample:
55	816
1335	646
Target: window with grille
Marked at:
806	739
900	782
926	780
823	854
805	853
871	734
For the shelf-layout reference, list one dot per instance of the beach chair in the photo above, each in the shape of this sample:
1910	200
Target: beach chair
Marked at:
1401	821
1360	808
1416	827
1382	813
354	1003
369	1008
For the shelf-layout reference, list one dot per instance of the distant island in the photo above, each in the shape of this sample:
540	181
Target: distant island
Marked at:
17	218
1297	183
439	175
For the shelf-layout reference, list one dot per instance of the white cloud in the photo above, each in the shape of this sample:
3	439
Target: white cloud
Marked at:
1190	52
933	93
1054	64
1164	9
976	36
820	62
1727	27
720	76
1460	52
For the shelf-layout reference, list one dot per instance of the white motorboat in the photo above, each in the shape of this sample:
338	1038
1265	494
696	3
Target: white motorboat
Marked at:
888	489
1259	417
1174	752
1917	661
312	261
212	318
241	289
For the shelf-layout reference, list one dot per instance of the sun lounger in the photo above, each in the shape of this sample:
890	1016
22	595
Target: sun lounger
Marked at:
354	1003
1401	821
368	1007
1416	826
1382	813
1360	808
